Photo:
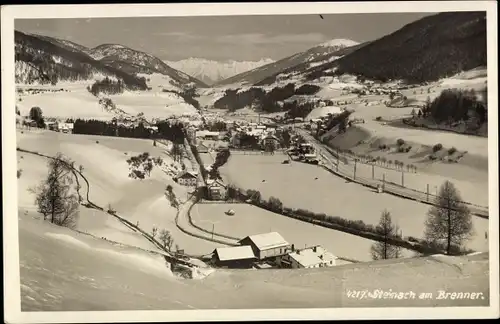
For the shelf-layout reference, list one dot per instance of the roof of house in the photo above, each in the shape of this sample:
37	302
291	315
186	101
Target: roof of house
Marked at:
307	257
235	253
217	182
268	240
207	133
269	136
184	174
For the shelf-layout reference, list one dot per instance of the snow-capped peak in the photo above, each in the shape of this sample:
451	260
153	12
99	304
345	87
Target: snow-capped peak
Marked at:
211	71
339	42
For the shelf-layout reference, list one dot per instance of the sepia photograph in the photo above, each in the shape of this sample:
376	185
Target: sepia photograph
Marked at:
248	162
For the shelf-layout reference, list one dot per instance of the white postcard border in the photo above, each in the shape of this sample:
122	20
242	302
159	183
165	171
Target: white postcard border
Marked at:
11	242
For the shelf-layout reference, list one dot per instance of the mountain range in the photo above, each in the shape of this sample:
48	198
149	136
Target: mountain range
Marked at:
47	59
428	49
210	71
425	50
314	54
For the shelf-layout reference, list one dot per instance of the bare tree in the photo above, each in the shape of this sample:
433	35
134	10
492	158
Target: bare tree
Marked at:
148	166
55	196
166	239
176	152
387	230
449	220
154	231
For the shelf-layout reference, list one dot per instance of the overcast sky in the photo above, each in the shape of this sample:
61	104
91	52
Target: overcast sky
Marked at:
221	38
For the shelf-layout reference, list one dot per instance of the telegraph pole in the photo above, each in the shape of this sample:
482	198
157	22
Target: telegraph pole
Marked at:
427	192
373	171
355	160
402	178
338	160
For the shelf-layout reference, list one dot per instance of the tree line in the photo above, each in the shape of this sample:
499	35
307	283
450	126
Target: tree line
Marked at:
221	159
106	86
447	227
269	102
454	105
173	132
189	96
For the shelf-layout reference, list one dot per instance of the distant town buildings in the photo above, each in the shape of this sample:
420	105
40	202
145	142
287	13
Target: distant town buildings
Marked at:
58	126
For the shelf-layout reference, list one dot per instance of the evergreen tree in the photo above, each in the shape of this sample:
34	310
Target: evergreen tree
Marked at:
449	221
383	249
55	196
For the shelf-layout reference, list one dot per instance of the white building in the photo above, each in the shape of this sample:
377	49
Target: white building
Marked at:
65	127
207	135
312	257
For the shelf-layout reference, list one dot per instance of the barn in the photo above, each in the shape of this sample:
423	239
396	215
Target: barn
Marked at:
240	257
267	246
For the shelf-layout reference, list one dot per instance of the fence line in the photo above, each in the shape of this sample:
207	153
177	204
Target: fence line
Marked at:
121	219
481	211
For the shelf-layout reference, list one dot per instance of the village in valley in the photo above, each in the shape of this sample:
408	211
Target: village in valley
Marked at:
311	175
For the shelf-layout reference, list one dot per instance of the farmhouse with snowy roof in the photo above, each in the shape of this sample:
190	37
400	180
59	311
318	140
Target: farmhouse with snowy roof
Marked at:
268	245
311	257
234	257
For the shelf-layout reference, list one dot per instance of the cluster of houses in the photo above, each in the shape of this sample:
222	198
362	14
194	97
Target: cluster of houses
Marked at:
302	151
271	250
58	126
214	189
264	133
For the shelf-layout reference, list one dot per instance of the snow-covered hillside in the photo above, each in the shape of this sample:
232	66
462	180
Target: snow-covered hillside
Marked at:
114	54
210	71
56	276
265	74
339	43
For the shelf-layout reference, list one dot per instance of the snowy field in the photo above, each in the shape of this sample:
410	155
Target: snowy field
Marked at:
473	190
142	202
153	104
207	158
56	276
322	112
310	187
251	220
75	101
